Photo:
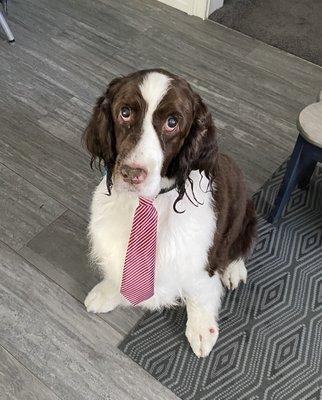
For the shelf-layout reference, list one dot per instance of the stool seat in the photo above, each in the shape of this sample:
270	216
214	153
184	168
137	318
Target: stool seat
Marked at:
310	123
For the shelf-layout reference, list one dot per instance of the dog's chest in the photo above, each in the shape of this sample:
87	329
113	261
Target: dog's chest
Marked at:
183	240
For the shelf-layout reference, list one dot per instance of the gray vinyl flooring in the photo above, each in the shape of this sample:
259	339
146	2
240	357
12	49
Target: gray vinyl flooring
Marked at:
66	52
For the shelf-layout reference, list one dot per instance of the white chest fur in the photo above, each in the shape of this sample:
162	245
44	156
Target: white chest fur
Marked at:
182	245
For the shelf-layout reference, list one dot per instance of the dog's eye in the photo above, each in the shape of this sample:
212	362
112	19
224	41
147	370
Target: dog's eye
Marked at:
171	123
125	113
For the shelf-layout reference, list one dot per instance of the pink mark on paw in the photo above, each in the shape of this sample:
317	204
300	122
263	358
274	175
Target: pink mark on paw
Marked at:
212	330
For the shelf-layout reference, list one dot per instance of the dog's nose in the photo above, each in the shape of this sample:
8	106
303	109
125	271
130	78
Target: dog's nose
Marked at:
133	174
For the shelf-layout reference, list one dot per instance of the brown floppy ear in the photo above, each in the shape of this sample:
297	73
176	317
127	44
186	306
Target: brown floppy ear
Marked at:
199	150
99	136
203	138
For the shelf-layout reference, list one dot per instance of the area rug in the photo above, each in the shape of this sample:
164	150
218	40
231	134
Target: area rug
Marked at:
270	342
291	25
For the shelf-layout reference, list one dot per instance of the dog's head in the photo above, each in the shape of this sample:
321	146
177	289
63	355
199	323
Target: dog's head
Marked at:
151	130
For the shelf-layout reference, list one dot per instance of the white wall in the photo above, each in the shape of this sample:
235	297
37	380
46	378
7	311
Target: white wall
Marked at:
214	5
199	8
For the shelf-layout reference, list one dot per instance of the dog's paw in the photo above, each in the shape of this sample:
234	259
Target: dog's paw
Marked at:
102	298
235	272
202	334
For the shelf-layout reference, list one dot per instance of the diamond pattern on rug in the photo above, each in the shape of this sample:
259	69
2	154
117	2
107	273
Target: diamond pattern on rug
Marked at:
270	342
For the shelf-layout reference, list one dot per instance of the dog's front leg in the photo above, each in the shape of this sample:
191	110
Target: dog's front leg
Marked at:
202	311
104	297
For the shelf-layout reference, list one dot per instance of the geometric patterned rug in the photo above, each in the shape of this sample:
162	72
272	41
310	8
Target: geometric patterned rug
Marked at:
270	342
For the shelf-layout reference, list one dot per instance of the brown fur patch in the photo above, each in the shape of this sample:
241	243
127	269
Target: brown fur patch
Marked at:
236	218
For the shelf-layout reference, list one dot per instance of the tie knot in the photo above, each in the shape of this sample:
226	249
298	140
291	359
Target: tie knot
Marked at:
145	202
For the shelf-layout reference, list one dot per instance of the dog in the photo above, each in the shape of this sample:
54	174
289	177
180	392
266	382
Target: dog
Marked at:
156	139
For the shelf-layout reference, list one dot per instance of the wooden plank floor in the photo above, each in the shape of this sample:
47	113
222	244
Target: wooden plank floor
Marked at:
66	52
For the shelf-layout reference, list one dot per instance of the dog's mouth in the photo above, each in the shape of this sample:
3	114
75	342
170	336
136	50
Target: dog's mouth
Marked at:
140	180
128	185
142	187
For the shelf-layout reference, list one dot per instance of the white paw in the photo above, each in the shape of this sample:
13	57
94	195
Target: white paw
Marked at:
102	298
235	272
202	333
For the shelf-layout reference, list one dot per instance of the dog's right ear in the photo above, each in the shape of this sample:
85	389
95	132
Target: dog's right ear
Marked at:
99	137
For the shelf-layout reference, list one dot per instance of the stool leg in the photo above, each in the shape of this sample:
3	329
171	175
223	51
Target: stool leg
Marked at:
290	180
307	174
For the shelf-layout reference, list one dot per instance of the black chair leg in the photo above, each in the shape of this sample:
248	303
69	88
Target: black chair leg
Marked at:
307	174
290	180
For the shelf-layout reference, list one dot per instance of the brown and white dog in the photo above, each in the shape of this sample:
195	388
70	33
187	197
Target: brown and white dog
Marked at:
158	140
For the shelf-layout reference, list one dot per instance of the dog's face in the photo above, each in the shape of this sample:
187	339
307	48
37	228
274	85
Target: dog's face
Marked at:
151	130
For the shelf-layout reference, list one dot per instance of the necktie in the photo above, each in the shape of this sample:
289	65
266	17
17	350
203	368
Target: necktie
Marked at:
139	266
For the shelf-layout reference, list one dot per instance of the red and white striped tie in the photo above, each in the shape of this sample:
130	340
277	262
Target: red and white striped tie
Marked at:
138	271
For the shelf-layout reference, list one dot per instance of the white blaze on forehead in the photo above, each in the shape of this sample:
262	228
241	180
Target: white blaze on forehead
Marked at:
153	88
148	152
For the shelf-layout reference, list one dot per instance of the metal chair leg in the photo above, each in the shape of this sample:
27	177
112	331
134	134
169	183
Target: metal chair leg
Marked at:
6	28
3	22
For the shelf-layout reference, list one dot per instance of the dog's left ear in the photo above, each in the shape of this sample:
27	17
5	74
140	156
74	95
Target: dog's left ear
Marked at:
199	150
